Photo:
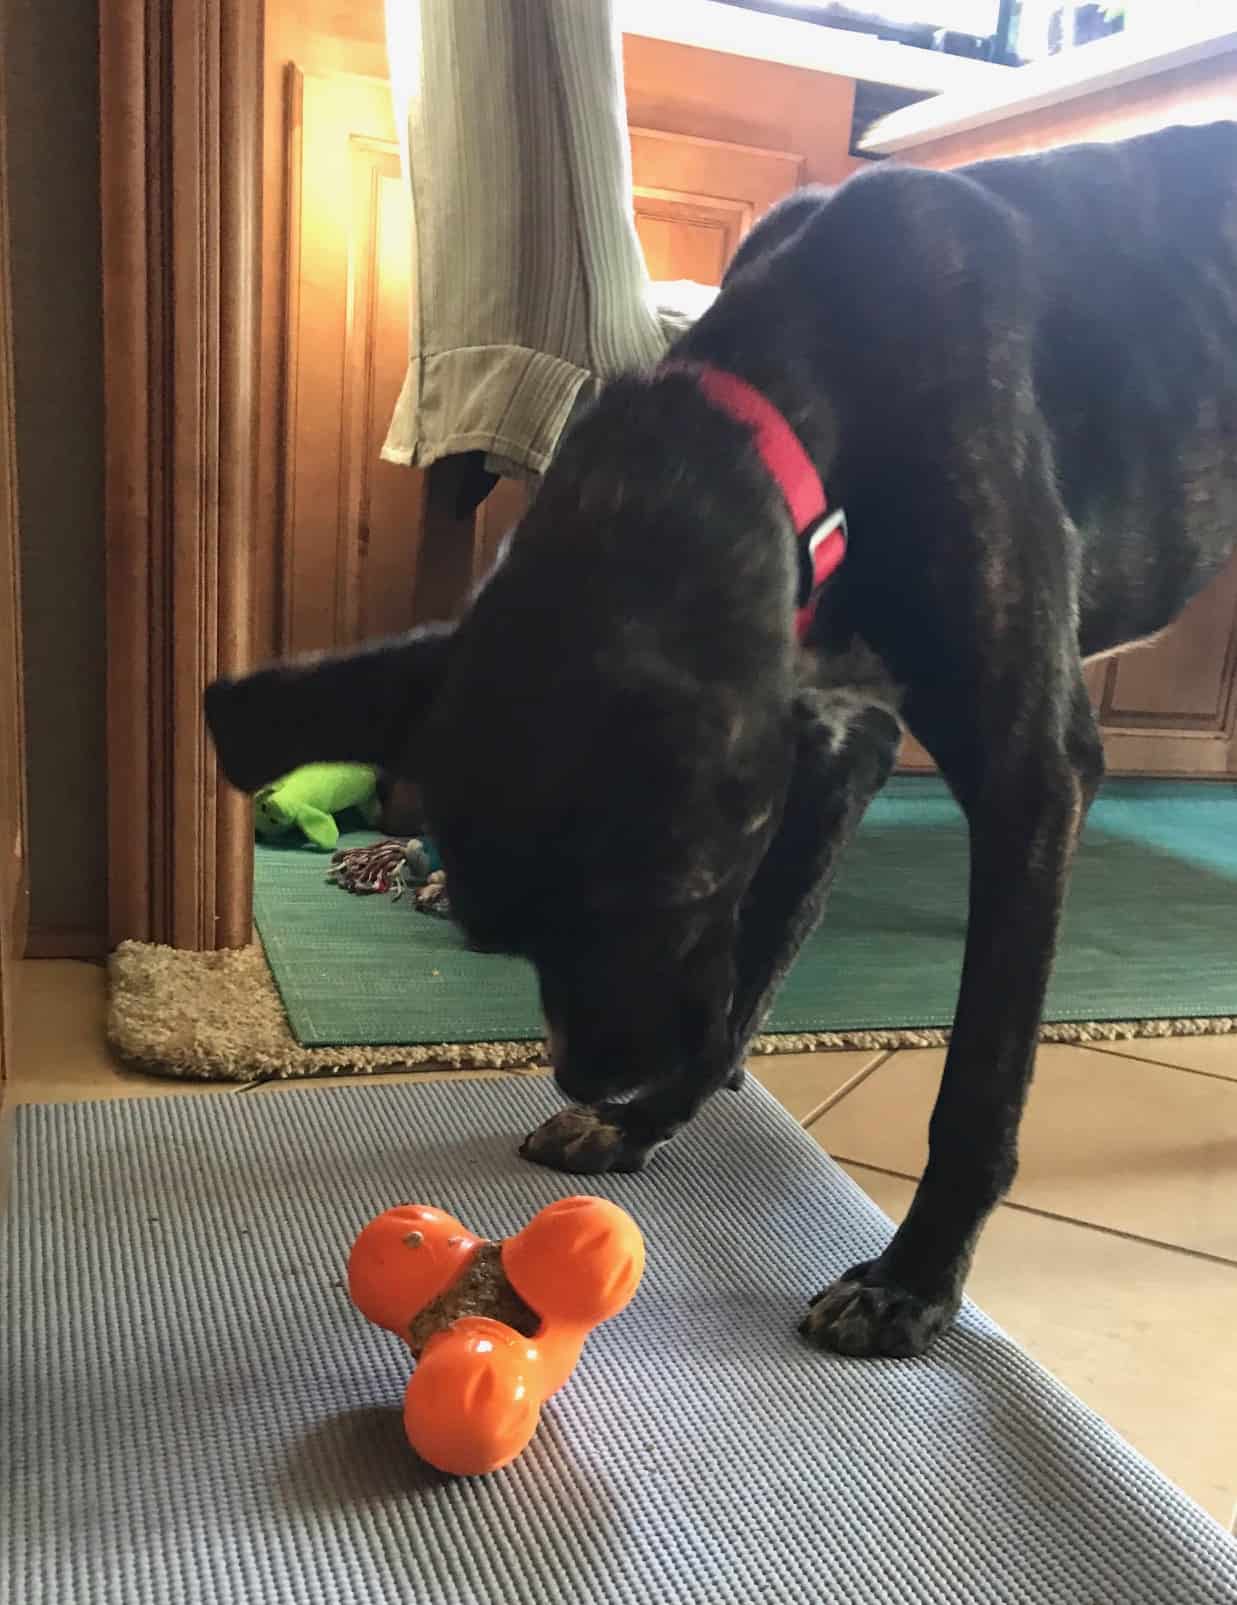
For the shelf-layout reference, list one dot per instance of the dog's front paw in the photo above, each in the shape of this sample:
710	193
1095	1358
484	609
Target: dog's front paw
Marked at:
866	1313
583	1142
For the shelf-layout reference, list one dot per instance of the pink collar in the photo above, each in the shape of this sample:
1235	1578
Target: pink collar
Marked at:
822	535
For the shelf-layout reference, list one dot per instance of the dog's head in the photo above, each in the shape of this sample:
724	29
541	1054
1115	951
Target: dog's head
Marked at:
603	745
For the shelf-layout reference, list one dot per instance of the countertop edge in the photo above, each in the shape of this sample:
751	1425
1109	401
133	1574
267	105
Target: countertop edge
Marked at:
809	45
1107	64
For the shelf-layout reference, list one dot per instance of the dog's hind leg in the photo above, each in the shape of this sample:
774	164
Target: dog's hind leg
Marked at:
845	747
1025	798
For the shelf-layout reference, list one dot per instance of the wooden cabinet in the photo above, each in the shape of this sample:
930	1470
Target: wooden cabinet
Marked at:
1169	707
715	141
354	558
695	199
340	546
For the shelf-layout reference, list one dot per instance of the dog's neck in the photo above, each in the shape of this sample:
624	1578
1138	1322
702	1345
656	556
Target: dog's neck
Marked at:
820	530
782	452
774	356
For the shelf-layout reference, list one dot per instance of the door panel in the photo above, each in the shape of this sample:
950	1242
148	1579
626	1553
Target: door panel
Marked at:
685	238
1170	707
1183	679
695	199
1167	707
350	519
382	498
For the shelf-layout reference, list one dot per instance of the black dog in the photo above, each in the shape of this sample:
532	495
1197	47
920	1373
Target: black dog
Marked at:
1020	381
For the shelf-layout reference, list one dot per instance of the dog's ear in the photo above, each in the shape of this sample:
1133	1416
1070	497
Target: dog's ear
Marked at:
362	706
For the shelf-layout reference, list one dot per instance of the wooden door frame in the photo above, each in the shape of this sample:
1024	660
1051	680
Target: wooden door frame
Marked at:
181	164
189	511
14	886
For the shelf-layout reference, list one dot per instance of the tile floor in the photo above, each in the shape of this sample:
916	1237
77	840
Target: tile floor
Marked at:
1114	1261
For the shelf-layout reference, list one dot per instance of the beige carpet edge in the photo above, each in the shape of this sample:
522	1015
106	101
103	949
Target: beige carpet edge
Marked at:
218	1017
1055	1031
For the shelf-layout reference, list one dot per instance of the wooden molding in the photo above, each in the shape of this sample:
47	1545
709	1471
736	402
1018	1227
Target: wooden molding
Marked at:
696	198
65	942
758	107
346	520
181	138
14	898
14	886
687	164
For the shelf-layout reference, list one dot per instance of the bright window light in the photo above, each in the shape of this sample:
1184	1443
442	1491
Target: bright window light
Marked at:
978	17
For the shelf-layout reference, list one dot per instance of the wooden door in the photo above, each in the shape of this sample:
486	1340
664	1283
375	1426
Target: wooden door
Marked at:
351	521
355	562
12	765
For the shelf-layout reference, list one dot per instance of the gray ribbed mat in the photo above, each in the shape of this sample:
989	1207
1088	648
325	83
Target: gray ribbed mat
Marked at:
194	1413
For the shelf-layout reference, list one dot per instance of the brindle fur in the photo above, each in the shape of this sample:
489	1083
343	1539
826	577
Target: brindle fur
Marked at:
1020	379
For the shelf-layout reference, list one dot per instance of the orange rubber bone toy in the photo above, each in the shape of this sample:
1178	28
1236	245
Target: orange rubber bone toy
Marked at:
496	1327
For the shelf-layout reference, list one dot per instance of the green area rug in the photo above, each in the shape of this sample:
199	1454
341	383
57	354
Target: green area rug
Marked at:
1150	936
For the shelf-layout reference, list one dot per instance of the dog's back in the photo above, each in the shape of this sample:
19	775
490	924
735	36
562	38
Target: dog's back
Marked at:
1100	278
1134	247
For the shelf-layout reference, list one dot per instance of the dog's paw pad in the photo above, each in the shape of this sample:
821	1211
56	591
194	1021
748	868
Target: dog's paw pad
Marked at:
582	1142
863	1314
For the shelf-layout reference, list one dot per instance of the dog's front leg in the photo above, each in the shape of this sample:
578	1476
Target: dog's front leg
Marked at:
844	750
1025	811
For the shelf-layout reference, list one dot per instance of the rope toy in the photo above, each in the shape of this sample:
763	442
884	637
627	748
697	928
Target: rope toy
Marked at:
393	868
495	1328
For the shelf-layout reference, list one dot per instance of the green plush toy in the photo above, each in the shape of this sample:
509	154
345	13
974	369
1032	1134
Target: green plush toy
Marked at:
308	798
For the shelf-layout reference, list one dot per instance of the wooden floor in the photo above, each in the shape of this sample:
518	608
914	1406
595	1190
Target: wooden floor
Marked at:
1114	1260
